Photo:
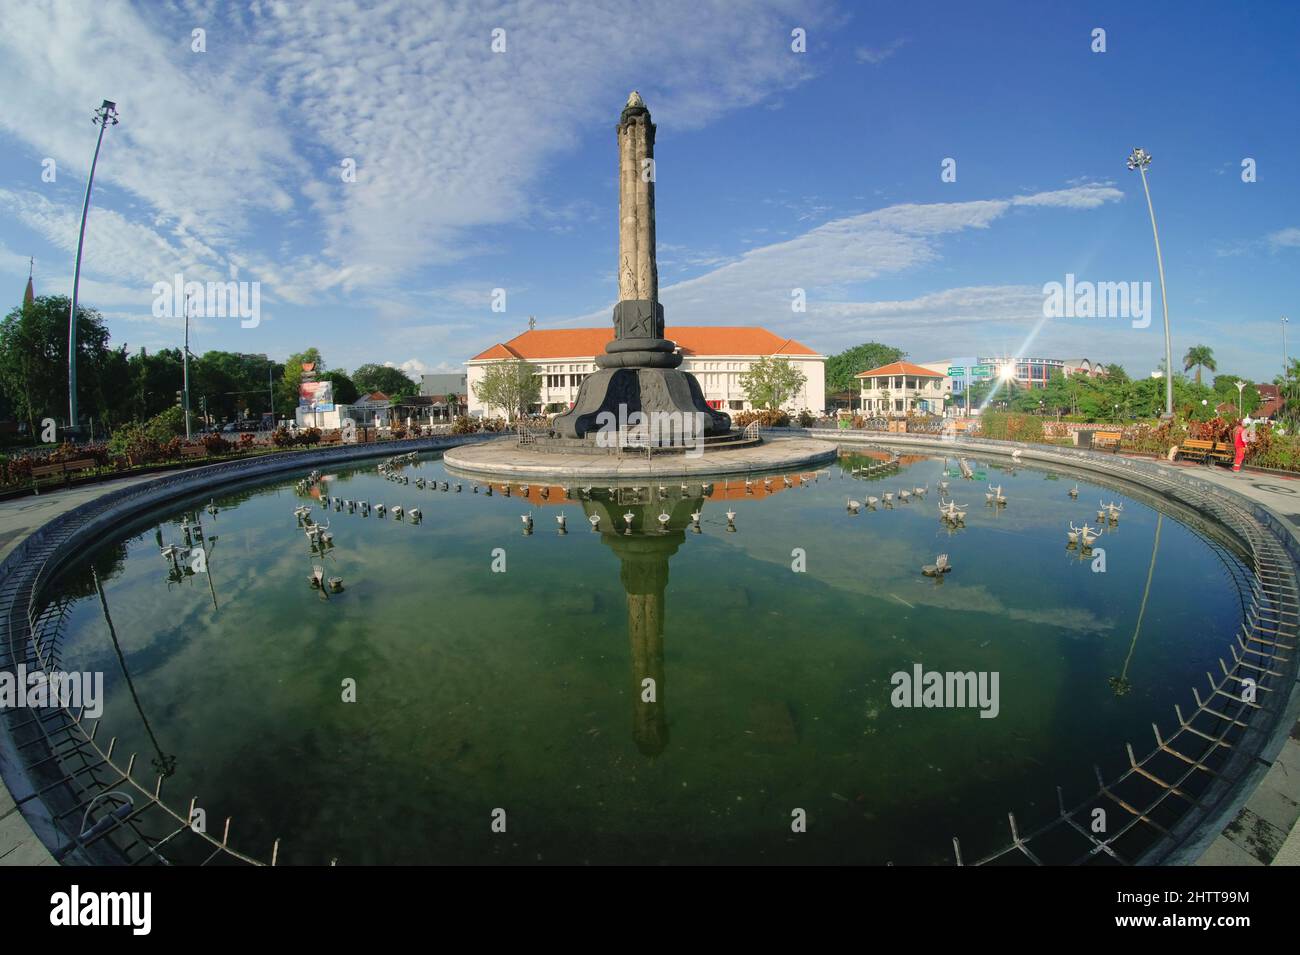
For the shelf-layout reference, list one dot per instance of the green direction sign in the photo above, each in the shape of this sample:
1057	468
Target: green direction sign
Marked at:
956	371
982	371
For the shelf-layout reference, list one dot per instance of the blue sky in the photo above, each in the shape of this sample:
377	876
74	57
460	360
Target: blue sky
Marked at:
775	170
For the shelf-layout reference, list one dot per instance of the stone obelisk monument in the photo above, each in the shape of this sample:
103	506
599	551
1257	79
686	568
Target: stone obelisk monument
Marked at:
639	370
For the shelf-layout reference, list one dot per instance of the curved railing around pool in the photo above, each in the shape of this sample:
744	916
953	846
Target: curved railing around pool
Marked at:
67	771
1204	762
1189	784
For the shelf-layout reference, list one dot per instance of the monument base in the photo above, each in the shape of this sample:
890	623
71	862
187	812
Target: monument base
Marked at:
622	391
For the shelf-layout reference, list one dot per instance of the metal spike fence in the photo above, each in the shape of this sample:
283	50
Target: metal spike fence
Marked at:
1197	766
73	775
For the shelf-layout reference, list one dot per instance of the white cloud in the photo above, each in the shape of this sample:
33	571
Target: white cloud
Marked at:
231	158
1285	238
878	55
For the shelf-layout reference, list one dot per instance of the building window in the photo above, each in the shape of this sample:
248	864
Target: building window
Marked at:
576	380
737	405
554	381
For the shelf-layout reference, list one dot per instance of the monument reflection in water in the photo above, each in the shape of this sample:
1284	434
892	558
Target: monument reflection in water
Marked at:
644	546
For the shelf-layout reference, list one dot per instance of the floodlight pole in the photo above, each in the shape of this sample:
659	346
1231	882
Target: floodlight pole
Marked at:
104	117
185	369
1139	159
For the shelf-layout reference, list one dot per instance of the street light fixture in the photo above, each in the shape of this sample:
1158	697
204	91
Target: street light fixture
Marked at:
104	117
1240	387
1139	159
1285	321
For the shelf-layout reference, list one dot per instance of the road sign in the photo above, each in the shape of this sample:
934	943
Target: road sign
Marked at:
982	371
956	371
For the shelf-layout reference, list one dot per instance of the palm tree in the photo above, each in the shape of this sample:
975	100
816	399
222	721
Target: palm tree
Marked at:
1198	357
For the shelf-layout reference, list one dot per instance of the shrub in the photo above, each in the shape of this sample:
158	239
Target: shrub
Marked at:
805	418
464	424
246	441
1010	426
766	418
309	436
282	437
166	424
398	433
216	444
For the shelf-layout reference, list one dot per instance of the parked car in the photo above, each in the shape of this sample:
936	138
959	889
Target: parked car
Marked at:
236	427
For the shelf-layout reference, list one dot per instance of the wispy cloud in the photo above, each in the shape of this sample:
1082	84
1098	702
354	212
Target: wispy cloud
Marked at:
1285	239
877	55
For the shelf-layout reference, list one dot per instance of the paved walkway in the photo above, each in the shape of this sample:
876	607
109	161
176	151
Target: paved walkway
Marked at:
1268	828
504	458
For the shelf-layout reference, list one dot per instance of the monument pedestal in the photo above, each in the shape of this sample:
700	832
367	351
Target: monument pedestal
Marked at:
662	392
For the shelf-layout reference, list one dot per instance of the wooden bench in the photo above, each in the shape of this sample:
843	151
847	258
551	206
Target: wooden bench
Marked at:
1196	450
1107	439
332	438
1223	452
194	451
66	468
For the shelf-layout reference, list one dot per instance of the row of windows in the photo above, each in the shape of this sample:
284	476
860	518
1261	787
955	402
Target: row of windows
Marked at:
558	381
886	404
913	384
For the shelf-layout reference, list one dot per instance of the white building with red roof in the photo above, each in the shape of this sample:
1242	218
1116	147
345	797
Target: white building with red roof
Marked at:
716	355
901	388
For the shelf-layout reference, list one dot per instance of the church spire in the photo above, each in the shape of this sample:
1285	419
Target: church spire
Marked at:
30	295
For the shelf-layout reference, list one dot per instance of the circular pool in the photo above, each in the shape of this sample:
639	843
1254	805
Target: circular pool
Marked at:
776	681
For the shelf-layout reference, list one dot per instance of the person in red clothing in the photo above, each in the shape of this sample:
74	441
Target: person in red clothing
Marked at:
1238	444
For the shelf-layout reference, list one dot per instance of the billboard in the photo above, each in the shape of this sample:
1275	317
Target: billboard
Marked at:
316	395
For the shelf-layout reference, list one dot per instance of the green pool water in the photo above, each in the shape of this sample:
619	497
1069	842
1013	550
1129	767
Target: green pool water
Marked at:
499	670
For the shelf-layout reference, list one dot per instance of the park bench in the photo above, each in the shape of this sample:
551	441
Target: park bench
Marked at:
1106	439
66	468
1223	452
332	438
1196	450
194	451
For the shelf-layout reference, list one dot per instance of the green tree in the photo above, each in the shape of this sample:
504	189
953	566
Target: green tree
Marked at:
1225	387
511	386
345	389
286	395
34	360
841	369
1198	357
770	382
391	381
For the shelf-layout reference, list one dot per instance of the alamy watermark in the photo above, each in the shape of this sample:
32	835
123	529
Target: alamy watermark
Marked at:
925	689
242	300
640	429
36	689
1073	299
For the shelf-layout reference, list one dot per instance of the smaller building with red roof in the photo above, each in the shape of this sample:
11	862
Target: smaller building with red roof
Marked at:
901	388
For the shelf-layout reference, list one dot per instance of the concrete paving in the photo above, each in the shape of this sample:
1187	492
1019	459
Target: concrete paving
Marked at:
504	458
1267	829
18	518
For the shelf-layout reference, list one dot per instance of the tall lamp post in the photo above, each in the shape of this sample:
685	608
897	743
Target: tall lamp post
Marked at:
1285	321
1240	386
1139	159
104	117
185	367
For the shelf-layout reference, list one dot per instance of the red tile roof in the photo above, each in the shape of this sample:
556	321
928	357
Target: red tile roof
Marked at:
900	368
691	339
